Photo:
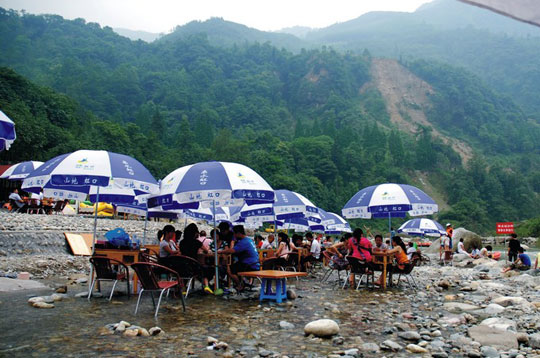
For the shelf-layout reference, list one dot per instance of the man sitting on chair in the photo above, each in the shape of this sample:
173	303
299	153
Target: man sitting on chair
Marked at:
246	252
16	198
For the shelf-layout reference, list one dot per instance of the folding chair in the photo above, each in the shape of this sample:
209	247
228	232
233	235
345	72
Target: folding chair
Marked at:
186	267
151	282
333	266
359	267
104	271
407	273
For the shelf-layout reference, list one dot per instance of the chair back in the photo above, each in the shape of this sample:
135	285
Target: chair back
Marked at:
293	259
59	206
409	267
357	266
270	263
103	268
146	275
185	266
148	256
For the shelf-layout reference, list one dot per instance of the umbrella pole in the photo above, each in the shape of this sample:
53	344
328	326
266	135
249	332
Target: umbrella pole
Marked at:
390	227
216	279
94	240
145	223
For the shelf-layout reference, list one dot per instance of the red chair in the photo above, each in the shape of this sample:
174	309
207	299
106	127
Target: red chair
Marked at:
104	271
150	282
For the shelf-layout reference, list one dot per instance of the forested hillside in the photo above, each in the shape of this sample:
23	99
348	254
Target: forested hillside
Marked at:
306	121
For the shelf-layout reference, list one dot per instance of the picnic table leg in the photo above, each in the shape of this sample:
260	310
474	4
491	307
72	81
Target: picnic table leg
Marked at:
263	289
278	290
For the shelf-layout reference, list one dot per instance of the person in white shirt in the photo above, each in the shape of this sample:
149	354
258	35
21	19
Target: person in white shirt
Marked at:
410	250
16	199
315	248
269	243
37	198
461	248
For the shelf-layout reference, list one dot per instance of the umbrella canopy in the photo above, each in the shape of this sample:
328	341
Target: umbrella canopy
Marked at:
302	224
288	205
83	169
422	227
7	132
221	184
231	214
389	200
20	171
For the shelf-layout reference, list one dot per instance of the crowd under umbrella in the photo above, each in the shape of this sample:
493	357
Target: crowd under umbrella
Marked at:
387	201
211	185
76	175
7	132
21	170
422	227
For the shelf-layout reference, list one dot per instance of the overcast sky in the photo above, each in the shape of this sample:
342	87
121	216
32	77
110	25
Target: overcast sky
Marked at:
164	15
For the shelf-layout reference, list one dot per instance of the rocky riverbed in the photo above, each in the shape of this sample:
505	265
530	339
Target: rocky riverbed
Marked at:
466	310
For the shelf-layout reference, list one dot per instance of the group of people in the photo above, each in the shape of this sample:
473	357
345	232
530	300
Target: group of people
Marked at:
357	247
192	243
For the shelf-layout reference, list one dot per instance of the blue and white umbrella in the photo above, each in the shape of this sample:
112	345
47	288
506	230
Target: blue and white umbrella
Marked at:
422	227
7	132
76	174
212	185
20	171
302	224
231	214
221	184
288	205
389	200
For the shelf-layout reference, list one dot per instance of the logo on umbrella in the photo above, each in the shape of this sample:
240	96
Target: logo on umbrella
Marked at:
203	179
83	161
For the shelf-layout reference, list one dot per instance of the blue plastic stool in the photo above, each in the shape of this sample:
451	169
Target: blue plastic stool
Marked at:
280	293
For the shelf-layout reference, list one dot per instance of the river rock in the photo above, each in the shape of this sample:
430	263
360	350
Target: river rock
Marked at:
131	332
286	325
322	328
390	345
534	340
61	289
470	239
370	347
291	294
413	348
33	300
506	301
41	304
493	309
409	335
489	352
211	340
501	323
154	331
143	332
493	337
459	307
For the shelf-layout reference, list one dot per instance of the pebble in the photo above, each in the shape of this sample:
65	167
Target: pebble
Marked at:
413	348
41	304
409	335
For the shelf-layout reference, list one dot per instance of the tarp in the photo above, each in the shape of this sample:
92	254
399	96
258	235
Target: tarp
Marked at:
523	10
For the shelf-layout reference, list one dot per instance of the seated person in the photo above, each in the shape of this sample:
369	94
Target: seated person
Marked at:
339	251
17	200
523	262
360	248
246	254
411	250
167	247
461	248
285	248
379	245
297	241
314	251
475	253
400	254
190	247
269	243
258	241
204	240
486	252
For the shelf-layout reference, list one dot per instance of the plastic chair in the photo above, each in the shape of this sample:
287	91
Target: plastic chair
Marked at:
359	267
333	266
186	267
150	282
104	271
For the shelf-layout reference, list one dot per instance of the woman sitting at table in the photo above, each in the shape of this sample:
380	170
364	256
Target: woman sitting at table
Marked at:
339	251
399	251
359	248
190	247
285	248
167	247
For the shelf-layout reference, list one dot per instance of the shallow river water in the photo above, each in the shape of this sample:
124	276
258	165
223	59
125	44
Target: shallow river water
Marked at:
72	327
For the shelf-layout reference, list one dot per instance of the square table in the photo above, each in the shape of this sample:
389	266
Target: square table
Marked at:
268	277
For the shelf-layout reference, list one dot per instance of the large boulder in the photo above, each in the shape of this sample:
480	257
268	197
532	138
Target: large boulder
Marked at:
322	328
493	337
470	239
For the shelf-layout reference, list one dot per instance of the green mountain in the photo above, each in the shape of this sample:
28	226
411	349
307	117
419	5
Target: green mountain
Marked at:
319	122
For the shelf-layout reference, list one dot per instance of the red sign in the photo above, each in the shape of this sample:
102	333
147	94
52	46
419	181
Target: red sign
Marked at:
505	228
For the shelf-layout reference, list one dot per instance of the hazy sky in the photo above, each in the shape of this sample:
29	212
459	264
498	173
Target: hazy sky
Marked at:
163	15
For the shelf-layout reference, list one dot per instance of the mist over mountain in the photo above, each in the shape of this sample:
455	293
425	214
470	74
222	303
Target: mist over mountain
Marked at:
137	34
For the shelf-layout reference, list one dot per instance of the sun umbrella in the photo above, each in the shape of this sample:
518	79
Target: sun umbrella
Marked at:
387	201
422	227
212	185
231	214
7	132
20	171
79	172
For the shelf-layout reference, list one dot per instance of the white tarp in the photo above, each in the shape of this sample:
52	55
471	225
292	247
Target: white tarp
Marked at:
522	10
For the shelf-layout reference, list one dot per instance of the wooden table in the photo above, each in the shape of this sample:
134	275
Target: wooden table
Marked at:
382	258
266	253
269	276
